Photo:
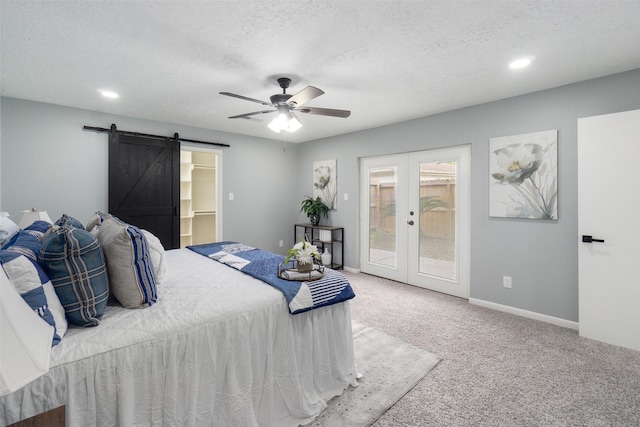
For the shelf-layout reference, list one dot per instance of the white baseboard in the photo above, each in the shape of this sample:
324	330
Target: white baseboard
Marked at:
351	269
525	313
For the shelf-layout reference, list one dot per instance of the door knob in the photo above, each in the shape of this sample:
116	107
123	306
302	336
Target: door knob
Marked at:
410	222
589	239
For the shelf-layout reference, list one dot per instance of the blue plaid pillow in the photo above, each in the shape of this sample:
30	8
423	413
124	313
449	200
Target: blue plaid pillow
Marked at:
68	220
73	260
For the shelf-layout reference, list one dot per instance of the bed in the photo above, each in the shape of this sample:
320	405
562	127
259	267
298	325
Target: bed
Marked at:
217	348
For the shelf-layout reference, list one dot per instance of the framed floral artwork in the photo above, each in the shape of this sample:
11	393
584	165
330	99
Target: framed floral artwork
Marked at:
325	183
524	176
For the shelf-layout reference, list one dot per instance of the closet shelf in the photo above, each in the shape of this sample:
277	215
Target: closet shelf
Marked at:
201	166
204	212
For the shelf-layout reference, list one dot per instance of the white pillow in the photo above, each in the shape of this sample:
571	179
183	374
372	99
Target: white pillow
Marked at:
8	228
158	256
56	308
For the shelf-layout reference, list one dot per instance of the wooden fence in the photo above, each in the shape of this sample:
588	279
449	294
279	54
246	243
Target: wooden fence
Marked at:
438	222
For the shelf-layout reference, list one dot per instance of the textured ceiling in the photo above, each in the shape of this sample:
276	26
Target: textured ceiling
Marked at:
386	61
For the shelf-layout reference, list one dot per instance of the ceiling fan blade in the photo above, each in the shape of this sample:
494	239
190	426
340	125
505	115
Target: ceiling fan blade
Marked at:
325	111
233	95
305	95
247	115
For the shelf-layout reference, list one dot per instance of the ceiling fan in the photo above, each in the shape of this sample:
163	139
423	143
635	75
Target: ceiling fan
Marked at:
287	105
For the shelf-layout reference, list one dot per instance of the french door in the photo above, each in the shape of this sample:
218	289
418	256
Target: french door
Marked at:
415	218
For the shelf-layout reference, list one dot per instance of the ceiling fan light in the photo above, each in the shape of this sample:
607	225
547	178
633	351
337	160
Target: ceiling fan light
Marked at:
294	124
279	123
285	122
274	125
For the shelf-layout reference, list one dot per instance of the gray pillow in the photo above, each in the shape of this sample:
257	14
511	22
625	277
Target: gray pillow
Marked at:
126	249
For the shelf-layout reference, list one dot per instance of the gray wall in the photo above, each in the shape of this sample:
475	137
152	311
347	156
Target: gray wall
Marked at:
541	256
1	154
49	162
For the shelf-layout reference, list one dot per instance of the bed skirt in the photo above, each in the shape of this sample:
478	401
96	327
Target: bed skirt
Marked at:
255	366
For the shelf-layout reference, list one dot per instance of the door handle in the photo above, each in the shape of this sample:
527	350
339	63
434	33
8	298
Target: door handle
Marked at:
410	222
589	239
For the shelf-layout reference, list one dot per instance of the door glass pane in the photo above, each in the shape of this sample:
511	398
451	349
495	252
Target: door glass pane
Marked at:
382	215
437	218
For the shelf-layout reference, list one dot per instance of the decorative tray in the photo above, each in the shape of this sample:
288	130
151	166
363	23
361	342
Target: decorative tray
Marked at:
295	275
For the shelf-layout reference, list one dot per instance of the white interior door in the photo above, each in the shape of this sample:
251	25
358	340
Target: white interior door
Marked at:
415	219
608	203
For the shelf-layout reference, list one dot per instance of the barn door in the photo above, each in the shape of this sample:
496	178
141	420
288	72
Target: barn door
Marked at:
144	184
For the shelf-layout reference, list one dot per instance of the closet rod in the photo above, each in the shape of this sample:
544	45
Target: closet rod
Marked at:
147	135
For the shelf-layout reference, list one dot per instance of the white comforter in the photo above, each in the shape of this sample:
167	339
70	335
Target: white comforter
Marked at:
218	348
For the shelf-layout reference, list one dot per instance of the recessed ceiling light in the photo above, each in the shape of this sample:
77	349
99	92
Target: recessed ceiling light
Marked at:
520	63
108	93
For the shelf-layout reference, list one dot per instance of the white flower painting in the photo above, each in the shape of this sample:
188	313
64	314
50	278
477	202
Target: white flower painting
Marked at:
325	183
524	176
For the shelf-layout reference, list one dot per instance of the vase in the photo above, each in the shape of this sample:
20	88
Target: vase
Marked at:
305	267
325	258
314	220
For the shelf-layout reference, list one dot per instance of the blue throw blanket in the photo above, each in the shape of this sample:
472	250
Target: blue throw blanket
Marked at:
301	296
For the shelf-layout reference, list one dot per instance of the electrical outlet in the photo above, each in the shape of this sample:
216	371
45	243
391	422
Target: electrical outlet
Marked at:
346	196
281	243
506	281
231	196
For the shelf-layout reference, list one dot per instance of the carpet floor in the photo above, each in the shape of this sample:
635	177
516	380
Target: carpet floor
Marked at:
389	369
498	369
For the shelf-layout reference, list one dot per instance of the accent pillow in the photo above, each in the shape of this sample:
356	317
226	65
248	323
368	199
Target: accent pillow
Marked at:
67	220
8	228
29	280
93	226
73	260
158	256
131	276
26	243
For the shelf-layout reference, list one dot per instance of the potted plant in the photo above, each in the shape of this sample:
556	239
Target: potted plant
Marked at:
314	209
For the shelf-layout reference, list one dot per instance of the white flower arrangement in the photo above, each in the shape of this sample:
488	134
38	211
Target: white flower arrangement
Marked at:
303	252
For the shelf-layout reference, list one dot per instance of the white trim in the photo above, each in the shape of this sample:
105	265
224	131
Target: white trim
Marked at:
351	269
525	313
